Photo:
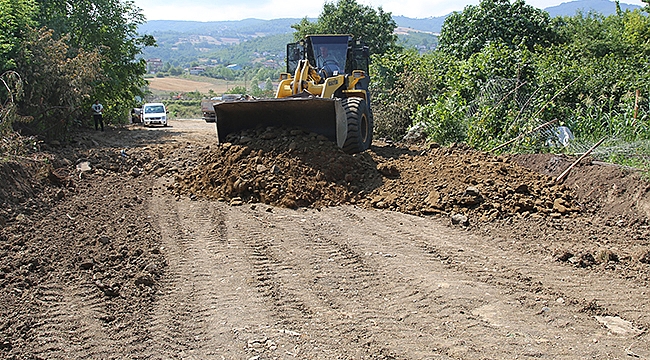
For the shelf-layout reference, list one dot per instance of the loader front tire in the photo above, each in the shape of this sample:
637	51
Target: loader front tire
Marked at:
360	125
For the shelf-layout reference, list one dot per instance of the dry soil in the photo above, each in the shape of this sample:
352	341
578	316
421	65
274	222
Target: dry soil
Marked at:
159	243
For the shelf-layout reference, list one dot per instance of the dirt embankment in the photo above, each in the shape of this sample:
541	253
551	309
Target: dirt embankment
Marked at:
291	168
96	235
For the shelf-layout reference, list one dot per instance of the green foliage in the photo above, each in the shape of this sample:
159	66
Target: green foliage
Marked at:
589	72
58	86
16	17
108	27
404	81
374	27
237	90
249	52
184	109
608	57
192	95
443	119
266	92
495	21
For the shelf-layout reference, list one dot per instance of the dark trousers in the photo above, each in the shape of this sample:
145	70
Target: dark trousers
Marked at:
98	121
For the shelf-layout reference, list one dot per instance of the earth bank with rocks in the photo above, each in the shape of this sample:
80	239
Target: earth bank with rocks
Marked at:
75	216
294	169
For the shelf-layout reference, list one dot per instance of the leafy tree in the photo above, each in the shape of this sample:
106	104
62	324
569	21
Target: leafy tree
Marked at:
513	24
375	27
110	28
57	86
15	21
403	82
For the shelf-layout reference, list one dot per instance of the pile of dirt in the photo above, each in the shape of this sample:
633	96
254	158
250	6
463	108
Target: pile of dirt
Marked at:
75	216
291	168
286	168
601	188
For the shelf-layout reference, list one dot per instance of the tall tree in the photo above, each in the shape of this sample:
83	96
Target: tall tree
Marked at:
495	21
16	16
57	85
375	27
109	27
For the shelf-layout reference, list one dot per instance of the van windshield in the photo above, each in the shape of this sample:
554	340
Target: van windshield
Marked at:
154	109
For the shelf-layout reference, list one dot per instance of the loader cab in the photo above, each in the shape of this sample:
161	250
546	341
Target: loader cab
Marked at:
331	54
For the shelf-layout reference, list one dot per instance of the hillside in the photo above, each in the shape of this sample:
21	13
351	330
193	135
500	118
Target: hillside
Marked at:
226	42
604	7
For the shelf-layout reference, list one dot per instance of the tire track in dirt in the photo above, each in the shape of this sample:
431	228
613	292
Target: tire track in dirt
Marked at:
389	292
514	288
204	290
326	291
300	331
72	326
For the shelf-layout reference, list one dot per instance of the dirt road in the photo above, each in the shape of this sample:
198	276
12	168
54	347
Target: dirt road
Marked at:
123	265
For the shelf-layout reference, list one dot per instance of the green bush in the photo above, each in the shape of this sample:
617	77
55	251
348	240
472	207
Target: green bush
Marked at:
184	109
444	119
594	78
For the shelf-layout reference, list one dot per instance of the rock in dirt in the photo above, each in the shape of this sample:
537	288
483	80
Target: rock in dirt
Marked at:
459	219
145	279
618	326
84	166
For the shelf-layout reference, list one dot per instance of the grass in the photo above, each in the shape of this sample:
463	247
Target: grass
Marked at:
163	87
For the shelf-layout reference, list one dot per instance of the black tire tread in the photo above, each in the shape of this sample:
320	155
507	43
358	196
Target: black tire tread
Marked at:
354	109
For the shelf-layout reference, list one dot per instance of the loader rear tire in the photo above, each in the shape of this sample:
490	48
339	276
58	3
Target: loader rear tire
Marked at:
360	125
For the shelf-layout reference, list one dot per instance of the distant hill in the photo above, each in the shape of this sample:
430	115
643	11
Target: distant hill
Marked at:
246	27
431	24
604	7
258	27
243	41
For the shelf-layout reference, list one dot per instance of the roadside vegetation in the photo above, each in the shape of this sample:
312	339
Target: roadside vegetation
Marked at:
502	71
504	68
58	56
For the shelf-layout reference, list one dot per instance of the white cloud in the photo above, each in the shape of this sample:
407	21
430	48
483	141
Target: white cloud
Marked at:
219	10
230	10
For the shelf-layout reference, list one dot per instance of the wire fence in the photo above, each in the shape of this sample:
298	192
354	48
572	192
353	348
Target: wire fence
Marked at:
518	111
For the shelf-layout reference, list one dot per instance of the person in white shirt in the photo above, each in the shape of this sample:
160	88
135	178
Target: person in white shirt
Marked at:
98	109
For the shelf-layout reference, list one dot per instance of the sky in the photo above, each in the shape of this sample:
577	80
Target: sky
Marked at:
220	10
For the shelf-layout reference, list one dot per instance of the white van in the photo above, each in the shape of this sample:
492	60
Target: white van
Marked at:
154	113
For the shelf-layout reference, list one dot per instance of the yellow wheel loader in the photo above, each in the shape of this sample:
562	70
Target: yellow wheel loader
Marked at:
325	91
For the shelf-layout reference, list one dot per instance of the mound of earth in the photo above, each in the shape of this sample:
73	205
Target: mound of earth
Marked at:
77	218
291	168
607	189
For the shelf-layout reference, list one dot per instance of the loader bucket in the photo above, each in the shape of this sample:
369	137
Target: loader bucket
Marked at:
321	116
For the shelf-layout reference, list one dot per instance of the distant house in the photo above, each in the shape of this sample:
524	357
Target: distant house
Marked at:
154	65
234	67
271	64
195	70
